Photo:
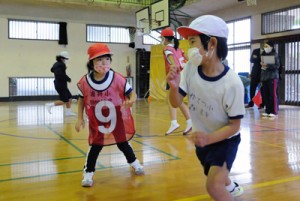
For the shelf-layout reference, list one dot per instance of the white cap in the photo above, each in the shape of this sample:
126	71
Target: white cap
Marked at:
207	24
64	54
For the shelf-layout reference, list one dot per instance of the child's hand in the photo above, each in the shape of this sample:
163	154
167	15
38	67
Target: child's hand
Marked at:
199	138
173	77
128	103
80	123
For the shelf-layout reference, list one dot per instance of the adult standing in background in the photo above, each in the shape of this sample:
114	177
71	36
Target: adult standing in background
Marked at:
269	78
61	83
255	76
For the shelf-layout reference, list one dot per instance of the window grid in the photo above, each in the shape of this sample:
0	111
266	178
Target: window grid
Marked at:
31	86
239	46
33	30
287	19
154	38
107	34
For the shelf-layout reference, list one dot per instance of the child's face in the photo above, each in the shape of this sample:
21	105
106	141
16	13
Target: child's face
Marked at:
196	45
102	64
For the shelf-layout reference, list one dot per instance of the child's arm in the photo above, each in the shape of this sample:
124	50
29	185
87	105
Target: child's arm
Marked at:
80	121
130	100
202	139
173	79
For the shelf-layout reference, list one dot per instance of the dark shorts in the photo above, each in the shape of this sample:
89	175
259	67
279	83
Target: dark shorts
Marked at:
218	153
64	93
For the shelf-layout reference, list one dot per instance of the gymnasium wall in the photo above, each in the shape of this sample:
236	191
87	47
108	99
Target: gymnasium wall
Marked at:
35	57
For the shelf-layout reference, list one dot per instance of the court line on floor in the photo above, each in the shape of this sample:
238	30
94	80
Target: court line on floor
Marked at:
254	186
28	137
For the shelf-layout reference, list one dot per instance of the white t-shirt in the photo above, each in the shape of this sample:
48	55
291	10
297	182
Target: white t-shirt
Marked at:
212	100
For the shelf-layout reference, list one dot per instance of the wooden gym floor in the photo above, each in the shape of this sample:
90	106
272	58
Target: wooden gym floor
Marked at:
42	157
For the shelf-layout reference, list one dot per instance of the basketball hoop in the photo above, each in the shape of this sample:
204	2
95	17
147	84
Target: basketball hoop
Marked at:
158	22
140	31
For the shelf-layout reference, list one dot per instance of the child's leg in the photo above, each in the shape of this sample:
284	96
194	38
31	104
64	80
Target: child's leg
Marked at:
130	157
91	159
216	182
89	167
127	151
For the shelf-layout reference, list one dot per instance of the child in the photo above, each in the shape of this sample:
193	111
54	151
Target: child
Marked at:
61	83
216	102
106	98
174	57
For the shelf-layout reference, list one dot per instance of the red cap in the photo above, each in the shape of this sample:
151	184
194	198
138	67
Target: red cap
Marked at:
167	32
97	50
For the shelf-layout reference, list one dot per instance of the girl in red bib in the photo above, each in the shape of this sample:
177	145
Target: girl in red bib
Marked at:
106	98
174	56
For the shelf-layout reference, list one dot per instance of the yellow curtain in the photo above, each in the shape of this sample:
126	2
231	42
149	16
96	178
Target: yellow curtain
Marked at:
158	72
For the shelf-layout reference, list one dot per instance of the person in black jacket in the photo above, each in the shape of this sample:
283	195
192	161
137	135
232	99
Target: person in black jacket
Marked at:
269	78
255	75
61	83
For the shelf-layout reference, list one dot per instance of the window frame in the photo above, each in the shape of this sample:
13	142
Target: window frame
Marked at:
109	35
269	15
36	30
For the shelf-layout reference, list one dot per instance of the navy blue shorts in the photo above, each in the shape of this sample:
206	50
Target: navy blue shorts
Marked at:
218	153
64	93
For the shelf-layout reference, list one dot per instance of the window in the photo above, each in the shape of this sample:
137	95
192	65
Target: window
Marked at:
107	34
152	38
31	86
35	30
281	20
239	45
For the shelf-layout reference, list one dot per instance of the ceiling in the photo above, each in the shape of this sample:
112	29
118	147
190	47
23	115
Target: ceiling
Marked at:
193	8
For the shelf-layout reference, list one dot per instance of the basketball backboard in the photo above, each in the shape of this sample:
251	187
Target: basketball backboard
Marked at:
143	21
160	15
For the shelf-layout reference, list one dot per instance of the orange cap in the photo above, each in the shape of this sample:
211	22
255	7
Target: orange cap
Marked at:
97	50
167	32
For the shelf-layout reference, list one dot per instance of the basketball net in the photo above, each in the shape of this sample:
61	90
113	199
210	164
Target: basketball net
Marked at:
132	31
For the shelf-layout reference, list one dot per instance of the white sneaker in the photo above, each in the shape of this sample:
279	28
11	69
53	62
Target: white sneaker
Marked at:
48	107
69	113
187	130
87	180
237	190
172	128
264	114
271	115
138	168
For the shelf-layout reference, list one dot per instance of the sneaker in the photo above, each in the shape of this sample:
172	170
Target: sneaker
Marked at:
172	128
264	114
187	130
271	116
87	180
48	107
237	190
138	168
248	106
69	113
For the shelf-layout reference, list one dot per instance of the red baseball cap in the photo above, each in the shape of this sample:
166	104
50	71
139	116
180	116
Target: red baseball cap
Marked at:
97	50
167	32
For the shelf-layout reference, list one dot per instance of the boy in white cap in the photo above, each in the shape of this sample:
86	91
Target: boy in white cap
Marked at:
106	98
216	102
61	83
